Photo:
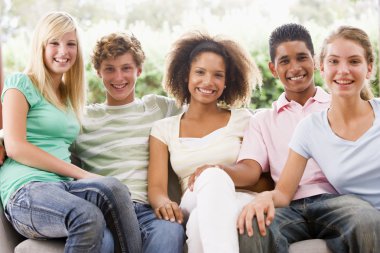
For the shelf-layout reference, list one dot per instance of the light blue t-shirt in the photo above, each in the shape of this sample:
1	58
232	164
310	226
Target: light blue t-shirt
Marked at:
352	167
47	127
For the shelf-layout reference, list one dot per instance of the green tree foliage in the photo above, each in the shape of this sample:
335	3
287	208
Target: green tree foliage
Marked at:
157	23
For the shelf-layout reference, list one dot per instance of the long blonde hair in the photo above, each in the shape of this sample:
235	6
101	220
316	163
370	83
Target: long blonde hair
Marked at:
72	87
359	36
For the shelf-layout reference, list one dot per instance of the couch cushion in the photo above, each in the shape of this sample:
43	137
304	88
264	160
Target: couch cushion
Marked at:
9	238
34	246
309	246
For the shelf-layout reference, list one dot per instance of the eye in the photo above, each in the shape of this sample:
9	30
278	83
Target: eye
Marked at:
355	61
72	44
284	62
199	71
127	68
333	61
219	75
303	58
54	43
108	69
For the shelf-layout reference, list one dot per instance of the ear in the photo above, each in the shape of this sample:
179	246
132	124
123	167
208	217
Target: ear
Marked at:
98	73
272	69
139	71
321	68
369	71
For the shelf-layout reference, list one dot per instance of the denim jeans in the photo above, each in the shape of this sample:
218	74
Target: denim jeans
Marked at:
159	235
79	210
347	223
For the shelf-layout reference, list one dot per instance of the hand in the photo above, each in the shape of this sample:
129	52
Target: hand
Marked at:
169	211
3	154
261	205
197	173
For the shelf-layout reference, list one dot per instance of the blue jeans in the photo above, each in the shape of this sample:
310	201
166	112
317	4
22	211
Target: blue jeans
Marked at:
79	210
159	235
345	222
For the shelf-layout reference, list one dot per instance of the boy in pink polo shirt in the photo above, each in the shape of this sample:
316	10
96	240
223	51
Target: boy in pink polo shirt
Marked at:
316	211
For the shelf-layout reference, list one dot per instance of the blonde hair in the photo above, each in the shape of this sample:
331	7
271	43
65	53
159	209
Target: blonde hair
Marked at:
242	73
356	35
72	88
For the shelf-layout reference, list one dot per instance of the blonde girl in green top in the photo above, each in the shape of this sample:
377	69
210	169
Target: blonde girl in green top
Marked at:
42	109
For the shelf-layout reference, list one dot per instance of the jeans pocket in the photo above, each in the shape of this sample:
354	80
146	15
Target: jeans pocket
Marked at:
26	230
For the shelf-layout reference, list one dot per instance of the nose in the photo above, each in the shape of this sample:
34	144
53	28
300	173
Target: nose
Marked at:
207	79
295	65
62	50
118	74
343	68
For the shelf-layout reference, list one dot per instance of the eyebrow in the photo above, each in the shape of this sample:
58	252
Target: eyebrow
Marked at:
122	65
219	71
283	57
351	56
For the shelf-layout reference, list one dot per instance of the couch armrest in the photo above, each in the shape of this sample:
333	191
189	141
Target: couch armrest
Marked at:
9	238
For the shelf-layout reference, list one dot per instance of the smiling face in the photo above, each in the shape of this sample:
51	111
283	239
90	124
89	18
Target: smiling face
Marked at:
344	68
294	66
207	78
119	77
60	54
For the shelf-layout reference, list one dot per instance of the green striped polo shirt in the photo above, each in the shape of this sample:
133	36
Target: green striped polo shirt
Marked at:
114	140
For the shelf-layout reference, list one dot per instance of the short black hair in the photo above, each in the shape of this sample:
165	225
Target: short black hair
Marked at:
286	33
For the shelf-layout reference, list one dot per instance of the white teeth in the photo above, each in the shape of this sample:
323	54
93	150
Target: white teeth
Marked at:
295	78
343	81
119	86
205	91
61	60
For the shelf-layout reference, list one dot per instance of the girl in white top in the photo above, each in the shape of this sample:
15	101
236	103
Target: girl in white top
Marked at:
342	139
205	73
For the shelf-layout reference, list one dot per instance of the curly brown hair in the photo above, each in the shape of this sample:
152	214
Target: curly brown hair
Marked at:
114	45
242	74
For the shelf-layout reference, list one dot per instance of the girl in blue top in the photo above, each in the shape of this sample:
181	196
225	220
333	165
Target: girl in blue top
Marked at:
344	140
41	111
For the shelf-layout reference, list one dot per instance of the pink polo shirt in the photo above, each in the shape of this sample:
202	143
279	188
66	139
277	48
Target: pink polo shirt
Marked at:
269	133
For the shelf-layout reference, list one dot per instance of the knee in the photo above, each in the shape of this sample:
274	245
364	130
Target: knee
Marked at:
173	232
88	219
214	177
112	186
246	243
255	243
366	220
169	235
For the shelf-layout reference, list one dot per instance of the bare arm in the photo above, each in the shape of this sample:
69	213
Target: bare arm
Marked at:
265	183
245	173
158	182
281	196
15	110
289	179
